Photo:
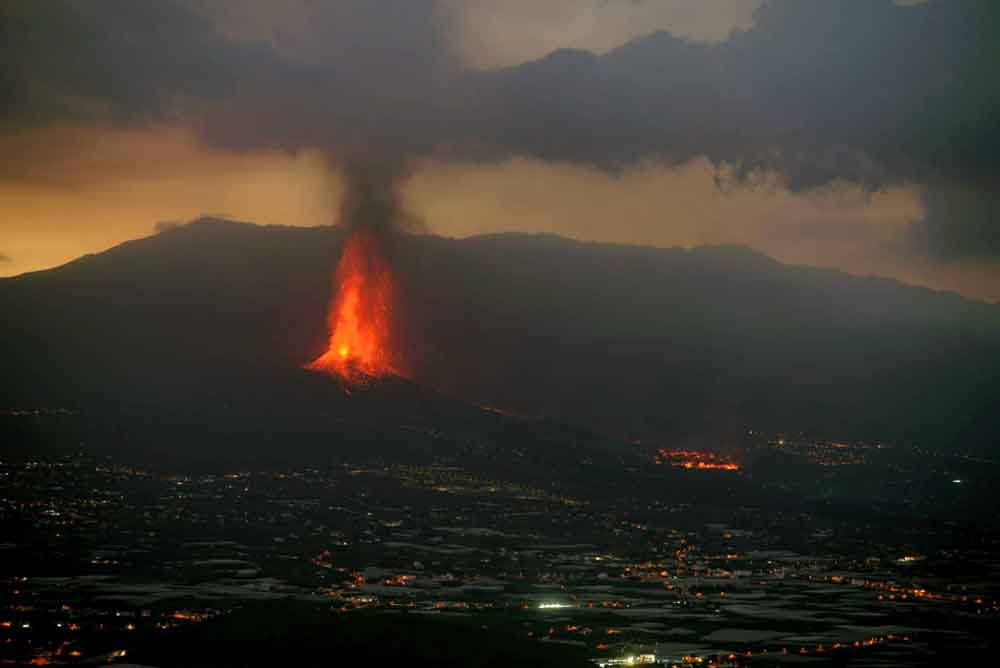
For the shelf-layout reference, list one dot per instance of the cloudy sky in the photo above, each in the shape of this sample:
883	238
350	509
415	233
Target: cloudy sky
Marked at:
855	134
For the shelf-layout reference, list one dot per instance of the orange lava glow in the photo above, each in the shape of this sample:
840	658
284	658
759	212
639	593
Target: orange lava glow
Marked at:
360	312
695	459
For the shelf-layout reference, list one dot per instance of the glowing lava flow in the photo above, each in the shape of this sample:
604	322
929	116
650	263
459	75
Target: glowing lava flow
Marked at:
359	316
694	459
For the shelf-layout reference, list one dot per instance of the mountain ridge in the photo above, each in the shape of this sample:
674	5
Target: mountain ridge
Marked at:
710	249
637	342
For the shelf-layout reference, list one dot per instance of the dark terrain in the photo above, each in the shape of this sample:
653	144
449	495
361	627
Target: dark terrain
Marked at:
208	323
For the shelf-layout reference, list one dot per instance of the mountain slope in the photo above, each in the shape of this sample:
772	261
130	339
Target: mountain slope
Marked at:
637	342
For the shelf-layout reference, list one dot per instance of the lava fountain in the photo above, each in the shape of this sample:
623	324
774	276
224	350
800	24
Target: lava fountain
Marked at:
360	313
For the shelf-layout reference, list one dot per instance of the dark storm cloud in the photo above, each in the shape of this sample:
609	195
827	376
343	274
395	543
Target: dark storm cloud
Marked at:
962	221
112	58
892	90
368	81
856	89
862	90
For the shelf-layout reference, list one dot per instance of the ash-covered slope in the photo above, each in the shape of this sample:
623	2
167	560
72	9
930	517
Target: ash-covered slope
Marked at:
634	341
270	417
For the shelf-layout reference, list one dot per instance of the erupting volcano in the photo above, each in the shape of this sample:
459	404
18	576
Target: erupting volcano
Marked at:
360	312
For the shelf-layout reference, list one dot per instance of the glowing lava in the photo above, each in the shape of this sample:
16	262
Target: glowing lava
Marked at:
694	459
360	311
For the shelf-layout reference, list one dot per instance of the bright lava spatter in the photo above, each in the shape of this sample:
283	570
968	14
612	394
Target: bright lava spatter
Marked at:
359	317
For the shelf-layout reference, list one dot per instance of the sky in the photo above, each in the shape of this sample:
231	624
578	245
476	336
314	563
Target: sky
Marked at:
860	135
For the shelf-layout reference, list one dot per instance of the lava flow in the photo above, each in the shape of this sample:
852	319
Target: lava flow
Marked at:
360	311
694	459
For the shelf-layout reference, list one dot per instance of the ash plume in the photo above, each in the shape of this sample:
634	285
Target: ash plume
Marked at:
372	197
874	92
796	91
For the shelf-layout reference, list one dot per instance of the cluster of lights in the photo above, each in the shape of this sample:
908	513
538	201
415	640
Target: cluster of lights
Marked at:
630	660
910	558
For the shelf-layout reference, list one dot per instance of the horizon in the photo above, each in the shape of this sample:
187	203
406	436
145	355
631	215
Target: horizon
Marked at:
217	219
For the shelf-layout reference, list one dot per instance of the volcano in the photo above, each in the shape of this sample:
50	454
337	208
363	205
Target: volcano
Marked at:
360	312
658	344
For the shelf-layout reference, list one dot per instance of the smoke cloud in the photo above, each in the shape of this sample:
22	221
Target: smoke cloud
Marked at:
372	197
875	93
869	91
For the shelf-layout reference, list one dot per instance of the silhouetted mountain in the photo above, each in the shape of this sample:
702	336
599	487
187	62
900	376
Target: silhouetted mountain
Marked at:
636	342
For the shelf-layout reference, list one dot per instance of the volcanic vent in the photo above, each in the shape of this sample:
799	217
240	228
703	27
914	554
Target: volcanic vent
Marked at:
363	312
360	312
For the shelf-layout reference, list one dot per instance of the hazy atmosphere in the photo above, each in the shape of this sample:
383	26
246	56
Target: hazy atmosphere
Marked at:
856	135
